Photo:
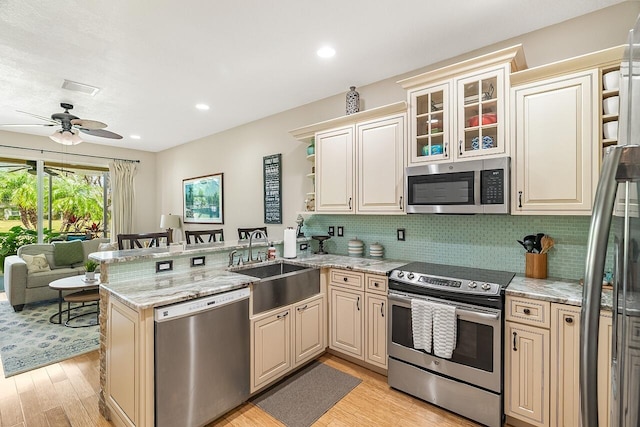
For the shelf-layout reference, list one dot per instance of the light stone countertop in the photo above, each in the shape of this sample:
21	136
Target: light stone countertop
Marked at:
562	291
127	255
178	287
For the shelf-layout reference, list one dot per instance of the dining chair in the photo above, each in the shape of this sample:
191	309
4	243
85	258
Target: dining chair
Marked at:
199	236
243	233
142	240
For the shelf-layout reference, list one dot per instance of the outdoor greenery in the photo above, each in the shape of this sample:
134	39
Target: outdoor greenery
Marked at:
76	200
18	236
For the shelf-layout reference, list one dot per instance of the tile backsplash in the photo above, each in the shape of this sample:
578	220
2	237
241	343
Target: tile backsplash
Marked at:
483	241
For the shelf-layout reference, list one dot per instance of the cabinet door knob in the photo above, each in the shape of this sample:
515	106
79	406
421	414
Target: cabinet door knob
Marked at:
519	199
569	320
527	311
376	284
345	279
515	337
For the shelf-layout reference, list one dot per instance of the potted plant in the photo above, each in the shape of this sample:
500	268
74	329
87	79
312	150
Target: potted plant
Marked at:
90	267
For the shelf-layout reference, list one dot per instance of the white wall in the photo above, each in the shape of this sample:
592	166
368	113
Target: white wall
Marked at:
146	218
238	152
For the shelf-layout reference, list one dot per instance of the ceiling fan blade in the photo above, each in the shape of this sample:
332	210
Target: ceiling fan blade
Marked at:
88	124
31	124
101	133
48	119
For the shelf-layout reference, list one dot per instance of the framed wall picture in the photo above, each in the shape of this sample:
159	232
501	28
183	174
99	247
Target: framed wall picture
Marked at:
272	174
203	200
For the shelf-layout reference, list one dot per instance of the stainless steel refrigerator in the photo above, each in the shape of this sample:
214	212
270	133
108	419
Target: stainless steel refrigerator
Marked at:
615	222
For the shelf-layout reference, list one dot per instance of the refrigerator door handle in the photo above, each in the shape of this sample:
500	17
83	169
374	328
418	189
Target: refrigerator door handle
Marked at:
591	297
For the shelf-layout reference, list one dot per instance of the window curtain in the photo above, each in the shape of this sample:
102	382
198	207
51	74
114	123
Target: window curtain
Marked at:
123	195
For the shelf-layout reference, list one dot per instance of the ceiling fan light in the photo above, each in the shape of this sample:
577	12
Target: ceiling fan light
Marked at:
65	137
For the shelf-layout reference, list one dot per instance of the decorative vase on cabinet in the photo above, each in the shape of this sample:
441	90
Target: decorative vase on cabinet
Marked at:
353	101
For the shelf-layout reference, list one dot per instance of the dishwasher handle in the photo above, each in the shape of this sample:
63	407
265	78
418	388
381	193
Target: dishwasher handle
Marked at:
194	306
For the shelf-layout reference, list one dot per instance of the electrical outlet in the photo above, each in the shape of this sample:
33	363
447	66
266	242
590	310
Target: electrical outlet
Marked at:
400	232
340	231
303	246
332	231
197	261
162	266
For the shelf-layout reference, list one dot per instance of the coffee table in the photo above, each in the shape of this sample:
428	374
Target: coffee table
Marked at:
72	283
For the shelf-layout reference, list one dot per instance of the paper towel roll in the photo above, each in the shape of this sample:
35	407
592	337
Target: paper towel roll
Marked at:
289	250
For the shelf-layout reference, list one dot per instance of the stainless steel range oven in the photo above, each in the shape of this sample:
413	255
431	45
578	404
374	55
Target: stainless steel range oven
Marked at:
469	383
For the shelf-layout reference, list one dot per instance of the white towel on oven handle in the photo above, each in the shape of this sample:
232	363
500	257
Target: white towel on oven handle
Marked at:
444	330
421	324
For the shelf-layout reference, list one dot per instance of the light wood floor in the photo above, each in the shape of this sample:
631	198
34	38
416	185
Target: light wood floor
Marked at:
66	394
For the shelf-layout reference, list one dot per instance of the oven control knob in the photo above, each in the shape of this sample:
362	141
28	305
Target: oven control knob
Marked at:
400	274
486	287
472	285
410	276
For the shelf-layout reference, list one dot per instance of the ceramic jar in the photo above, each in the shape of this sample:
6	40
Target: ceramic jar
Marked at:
353	101
356	247
376	250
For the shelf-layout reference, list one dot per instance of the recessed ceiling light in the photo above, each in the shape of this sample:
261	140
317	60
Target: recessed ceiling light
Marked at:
134	136
326	52
203	107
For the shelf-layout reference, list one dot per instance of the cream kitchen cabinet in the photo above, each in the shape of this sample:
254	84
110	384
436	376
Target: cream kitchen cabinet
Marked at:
359	161
276	350
359	168
358	316
459	112
556	145
271	338
542	362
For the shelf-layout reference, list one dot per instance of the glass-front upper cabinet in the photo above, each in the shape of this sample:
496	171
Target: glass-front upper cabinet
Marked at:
431	124
459	112
481	117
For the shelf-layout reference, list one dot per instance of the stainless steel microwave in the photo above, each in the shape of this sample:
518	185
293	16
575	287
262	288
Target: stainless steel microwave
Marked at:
470	187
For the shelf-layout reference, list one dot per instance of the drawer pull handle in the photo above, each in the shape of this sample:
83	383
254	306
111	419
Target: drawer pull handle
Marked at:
345	279
515	336
282	316
376	284
302	308
569	320
527	311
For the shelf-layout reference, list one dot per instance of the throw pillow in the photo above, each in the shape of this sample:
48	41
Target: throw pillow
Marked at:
113	246
68	253
36	263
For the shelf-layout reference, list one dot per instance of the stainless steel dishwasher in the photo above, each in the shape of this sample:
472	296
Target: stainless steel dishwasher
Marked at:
201	358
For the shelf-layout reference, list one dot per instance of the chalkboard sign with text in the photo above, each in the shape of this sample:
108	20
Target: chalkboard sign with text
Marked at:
272	166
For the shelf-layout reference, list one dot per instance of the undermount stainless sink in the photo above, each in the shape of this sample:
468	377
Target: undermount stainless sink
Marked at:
281	284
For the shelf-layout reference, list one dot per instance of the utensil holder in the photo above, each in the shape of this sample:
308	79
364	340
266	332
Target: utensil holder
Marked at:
535	265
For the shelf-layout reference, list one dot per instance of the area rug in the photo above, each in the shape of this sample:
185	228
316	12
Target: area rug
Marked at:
301	399
28	340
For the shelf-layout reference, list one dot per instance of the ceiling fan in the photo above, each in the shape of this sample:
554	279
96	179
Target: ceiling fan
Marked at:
68	134
30	167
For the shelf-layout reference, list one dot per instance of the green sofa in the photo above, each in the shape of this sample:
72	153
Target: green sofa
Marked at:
24	287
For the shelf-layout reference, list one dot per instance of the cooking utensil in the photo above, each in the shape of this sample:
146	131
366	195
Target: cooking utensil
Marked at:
547	244
538	242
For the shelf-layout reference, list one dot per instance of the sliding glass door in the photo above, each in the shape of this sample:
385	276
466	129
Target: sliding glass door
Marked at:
73	201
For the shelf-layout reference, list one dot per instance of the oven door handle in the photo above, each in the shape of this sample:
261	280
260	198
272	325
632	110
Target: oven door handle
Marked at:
460	309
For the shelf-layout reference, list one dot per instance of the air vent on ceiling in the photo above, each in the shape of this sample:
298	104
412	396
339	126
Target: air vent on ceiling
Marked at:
80	87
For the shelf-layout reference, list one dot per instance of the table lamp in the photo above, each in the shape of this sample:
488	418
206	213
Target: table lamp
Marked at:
169	222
